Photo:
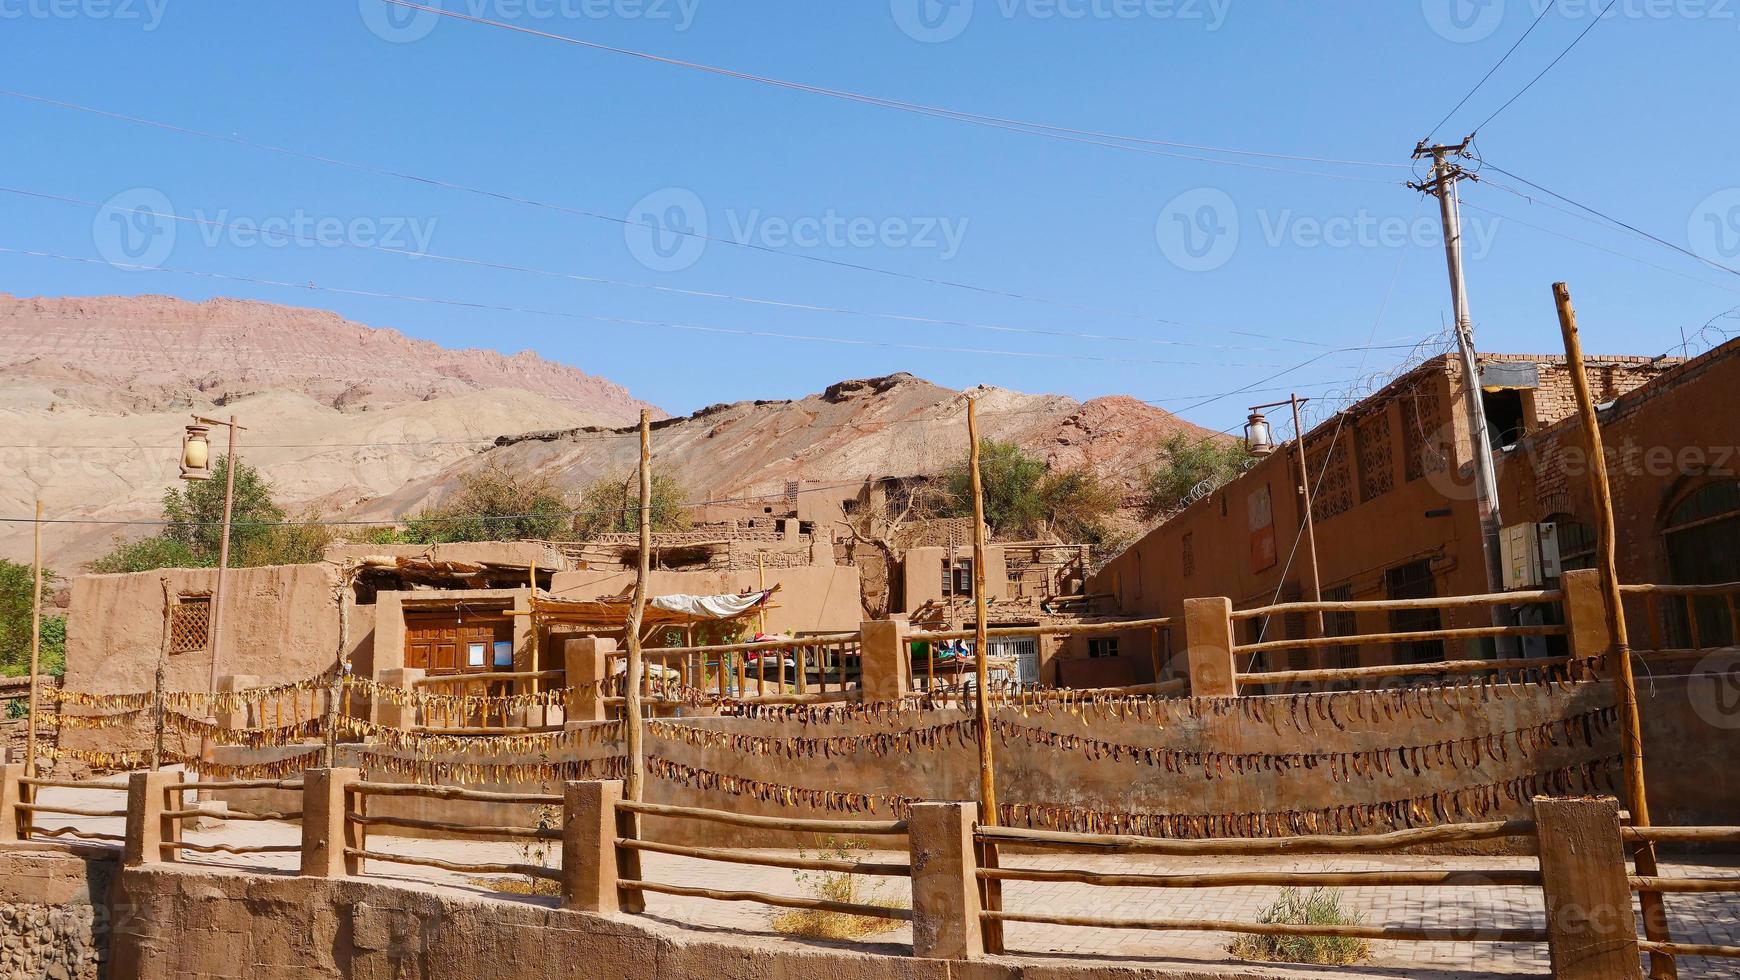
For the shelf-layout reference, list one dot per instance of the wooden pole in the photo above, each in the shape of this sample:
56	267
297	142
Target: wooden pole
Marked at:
632	707
1661	965
1314	622
157	683
981	699
35	649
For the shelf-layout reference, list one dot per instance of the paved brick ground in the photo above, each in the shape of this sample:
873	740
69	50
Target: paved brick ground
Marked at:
1695	918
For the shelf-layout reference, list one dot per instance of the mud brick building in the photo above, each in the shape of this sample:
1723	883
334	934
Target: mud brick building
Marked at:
1395	508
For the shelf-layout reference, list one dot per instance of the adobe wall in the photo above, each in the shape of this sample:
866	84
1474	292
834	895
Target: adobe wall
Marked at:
811	599
1661	441
921	574
234	926
280	624
56	912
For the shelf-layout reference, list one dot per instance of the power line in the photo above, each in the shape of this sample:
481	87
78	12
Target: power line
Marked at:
677	290
1489	73
1020	125
1600	248
1598	18
1610	219
582	212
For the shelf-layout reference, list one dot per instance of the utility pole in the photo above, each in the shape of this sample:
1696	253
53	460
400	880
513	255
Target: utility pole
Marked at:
1445	175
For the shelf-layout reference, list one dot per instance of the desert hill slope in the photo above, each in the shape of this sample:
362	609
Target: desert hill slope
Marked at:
365	422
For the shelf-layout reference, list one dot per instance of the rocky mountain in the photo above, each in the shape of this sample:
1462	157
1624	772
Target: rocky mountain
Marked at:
365	422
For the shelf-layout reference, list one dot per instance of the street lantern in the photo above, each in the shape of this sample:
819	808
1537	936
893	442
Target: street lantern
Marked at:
196	453
1259	438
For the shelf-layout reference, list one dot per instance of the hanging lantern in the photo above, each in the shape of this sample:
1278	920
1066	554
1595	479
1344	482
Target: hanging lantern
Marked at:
196	453
1259	439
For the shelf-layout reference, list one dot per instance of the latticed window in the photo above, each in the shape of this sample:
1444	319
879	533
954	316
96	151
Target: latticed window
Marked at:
1420	425
1377	475
190	624
1334	487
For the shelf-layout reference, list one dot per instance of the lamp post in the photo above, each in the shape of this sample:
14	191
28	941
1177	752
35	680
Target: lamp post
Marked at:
1260	439
196	465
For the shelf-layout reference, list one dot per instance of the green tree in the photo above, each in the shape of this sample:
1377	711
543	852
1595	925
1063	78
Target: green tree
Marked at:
612	504
1185	462
1077	506
195	514
147	554
1026	499
260	532
494	504
1012	482
16	583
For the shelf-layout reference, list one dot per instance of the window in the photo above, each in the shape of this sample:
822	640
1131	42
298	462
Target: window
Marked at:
1703	546
1102	646
1188	543
1506	423
190	624
957	579
1341	623
1372	442
1414	581
1576	542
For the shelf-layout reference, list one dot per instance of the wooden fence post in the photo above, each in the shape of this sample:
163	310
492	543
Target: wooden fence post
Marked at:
883	659
945	881
1587	632
1591	934
390	714
147	828
12	793
1208	641
587	662
589	823
325	831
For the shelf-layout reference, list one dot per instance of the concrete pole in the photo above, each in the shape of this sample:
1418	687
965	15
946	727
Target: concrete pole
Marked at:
1445	176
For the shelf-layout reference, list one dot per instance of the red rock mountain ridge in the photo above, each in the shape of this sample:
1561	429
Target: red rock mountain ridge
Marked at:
158	349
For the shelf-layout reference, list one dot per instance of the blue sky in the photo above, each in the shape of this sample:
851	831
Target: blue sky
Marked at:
1089	239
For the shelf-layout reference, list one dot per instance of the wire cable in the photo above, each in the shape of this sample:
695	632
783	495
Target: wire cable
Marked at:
1489	73
1034	128
631	321
506	197
677	290
1608	218
1598	18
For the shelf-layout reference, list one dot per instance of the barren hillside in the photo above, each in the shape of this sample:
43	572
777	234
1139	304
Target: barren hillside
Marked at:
365	422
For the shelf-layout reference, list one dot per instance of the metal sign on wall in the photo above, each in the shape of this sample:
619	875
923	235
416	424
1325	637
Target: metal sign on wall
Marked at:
1260	512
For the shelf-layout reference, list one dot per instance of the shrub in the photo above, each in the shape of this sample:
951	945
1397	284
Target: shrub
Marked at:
839	886
611	504
1185	462
1320	906
494	504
